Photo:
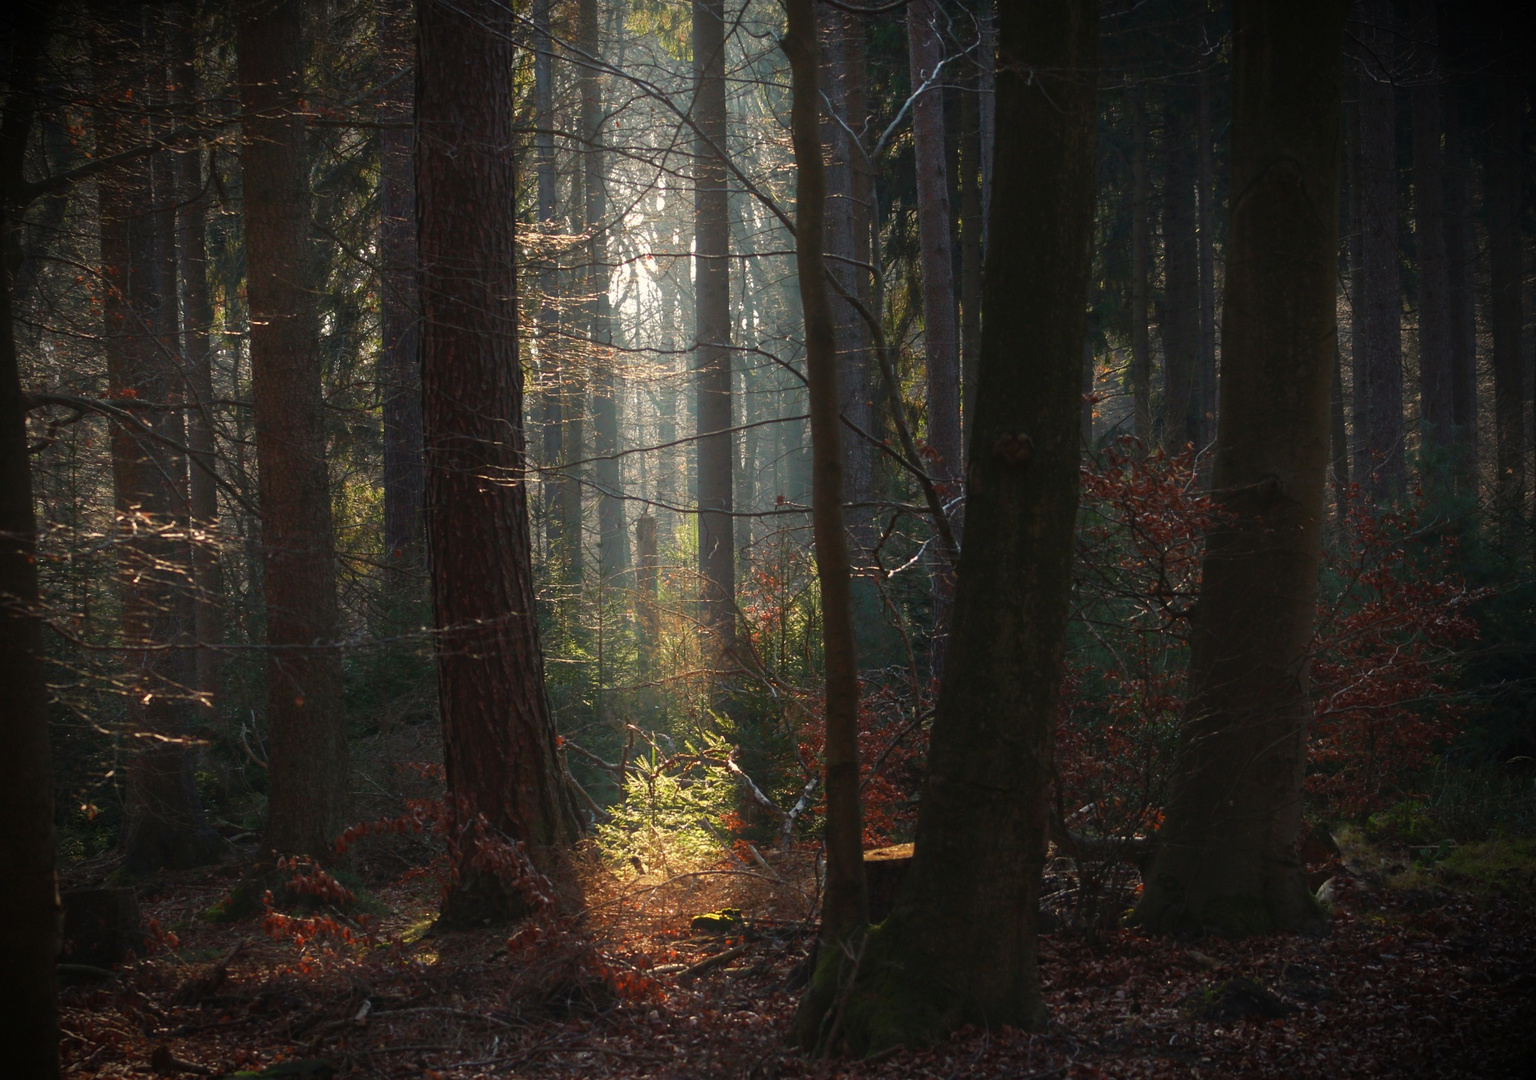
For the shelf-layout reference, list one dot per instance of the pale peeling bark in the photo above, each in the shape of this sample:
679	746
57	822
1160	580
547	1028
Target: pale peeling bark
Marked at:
1226	852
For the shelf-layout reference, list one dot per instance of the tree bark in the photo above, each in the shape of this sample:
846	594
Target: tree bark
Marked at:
971	251
306	718
1141	344
845	904
960	945
712	327
29	902
400	307
1181	293
1436	388
499	743
1505	319
1459	286
1206	182
551	369
1226	852
1378	305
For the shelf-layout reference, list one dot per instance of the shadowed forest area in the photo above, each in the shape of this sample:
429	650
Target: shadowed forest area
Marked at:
767	538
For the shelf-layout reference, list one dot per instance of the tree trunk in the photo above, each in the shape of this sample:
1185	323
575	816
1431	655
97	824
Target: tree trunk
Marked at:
960	945
1141	345
1181	293
1506	101
845	905
499	743
970	248
551	369
400	308
306	718
712	326
1226	851
1459	286
1378	305
1436	388
29	902
941	338
1206	181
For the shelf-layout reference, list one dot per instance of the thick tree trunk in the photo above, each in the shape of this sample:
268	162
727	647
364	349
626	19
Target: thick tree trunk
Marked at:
1378	304
1226	851
306	718
29	901
845	906
712	328
1141	344
1436	386
1181	292
1505	320
960	945
400	308
499	743
970	248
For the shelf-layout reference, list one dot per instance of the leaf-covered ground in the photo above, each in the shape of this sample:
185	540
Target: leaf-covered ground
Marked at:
1430	979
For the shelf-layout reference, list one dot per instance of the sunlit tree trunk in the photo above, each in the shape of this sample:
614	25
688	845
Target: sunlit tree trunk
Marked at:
960	944
306	719
399	306
1226	851
29	900
499	743
712	328
551	370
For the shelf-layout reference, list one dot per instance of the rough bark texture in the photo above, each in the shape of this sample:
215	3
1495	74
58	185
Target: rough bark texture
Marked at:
1226	852
306	721
712	325
845	906
399	306
1436	406
550	371
1141	344
1378	304
29	901
1506	99
960	945
941	337
1181	291
499	743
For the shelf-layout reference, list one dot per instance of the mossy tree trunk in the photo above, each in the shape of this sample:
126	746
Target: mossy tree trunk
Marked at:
960	945
1226	854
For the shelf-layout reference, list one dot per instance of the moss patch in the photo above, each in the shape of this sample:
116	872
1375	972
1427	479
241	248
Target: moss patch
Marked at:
1503	868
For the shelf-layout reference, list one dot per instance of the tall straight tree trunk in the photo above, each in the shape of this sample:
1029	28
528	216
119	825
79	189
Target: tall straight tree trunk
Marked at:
613	540
197	366
1206	182
960	945
551	369
1436	387
306	718
712	328
1459	287
845	907
499	743
970	246
29	902
1378	306
1181	293
1226	851
400	308
941	337
164	824
1506	101
1141	254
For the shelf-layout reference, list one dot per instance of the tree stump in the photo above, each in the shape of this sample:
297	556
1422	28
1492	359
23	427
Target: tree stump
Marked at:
101	926
885	871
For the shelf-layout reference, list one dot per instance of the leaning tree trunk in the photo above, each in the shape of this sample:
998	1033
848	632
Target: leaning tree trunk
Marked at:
712	323
960	945
1226	852
29	901
306	717
845	908
499	742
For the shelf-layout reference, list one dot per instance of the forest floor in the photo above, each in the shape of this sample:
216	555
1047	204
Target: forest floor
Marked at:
1425	973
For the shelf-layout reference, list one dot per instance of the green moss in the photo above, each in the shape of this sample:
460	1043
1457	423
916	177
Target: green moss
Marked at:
1501	867
723	921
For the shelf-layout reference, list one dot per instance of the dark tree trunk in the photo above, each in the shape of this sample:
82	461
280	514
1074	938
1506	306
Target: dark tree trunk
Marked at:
1141	254
1181	293
1506	98
1206	177
1459	286
960	945
1378	304
845	905
499	741
941	337
400	308
306	718
970	247
712	327
1436	387
1226	851
29	900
